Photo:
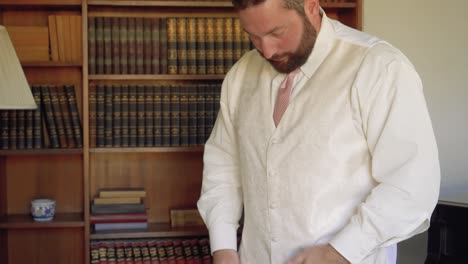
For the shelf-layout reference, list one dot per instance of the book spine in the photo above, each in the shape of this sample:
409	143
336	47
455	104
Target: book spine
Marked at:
37	130
92	116
163	46
49	117
175	115
179	252
155	44
228	44
192	114
115	40
153	251
172	45
201	114
140	48
99	45
219	45
132	116
166	115
184	118
137	258
195	251
107	30
181	39
91	45
162	251
117	115
120	252
141	116
157	116
246	45
200	45
210	45
12	134
124	105
66	116
132	59
100	115
187	248
29	128
236	40
75	114
108	116
20	129
147	45
123	34
149	116
192	45
58	117
209	110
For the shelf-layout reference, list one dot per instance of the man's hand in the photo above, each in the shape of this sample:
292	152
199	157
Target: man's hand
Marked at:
324	254
226	256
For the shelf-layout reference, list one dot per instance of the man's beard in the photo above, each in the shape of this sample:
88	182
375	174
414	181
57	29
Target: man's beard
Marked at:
299	57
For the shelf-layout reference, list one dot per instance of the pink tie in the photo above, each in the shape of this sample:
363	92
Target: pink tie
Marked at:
284	94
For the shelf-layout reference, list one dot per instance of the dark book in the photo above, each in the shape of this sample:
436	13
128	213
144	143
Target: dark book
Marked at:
236	40
153	251
128	250
209	109
120	252
149	116
246	45
123	35
132	116
107	30
102	250
161	244
115	40
132	46
179	252
58	117
175	115
12	132
100	115
117	208
29	129
195	251
20	129
187	251
201	114
99	45
111	252
147	45
216	89
75	114
155	65
192	45
157	115
66	115
170	252
192	114
228	43
37	130
184	115
118	218
145	255
139	45
120	226
92	115
124	116
4	129
163	45
136	247
219	45
108	116
141	127
172	45
210	45
117	115
94	251
181	39
49	118
91	45
166	115
200	45
205	251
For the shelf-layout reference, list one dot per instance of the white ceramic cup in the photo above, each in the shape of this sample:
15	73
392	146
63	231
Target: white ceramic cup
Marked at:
43	209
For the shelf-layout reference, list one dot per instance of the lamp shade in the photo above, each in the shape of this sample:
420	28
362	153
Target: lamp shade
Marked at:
14	89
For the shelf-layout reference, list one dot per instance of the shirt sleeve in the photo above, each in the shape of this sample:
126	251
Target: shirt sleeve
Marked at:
220	203
388	96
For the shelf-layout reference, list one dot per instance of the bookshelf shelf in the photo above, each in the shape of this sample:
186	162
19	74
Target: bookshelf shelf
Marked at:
147	150
25	221
45	64
154	230
161	3
63	151
49	3
148	77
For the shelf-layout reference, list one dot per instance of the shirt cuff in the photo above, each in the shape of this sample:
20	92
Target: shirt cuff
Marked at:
223	236
353	244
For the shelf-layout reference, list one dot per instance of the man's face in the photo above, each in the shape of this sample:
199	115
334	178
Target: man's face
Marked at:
280	35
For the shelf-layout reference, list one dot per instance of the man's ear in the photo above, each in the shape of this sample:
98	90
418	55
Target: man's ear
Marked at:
311	9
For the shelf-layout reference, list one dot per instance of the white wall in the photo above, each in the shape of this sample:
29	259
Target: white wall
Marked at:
434	35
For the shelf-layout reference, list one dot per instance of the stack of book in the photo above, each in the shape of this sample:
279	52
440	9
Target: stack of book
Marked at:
119	210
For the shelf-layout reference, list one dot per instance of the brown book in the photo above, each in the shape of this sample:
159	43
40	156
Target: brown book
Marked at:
123	35
210	45
219	45
132	59
200	45
75	114
115	40
66	115
155	45
186	217
128	192
99	45
236	40
49	118
117	200
181	35
91	45
228	43
107	31
53	38
92	115
147	45
58	116
139	45
172	45
192	45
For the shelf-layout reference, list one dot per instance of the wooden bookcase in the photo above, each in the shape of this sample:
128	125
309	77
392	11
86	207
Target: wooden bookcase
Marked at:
72	176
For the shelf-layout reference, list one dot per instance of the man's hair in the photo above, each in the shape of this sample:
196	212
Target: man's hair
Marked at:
297	5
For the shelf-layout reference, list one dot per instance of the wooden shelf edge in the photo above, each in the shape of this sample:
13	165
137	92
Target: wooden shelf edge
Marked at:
50	64
57	3
154	230
24	221
17	152
142	77
161	3
147	150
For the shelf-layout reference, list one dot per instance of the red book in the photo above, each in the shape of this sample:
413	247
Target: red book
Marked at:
118	218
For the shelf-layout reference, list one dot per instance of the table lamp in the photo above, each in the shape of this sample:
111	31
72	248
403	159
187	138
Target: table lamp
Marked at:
14	89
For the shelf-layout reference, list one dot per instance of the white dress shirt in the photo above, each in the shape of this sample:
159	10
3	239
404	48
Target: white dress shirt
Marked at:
353	161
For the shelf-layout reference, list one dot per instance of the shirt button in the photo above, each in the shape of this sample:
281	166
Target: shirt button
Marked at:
274	140
272	173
